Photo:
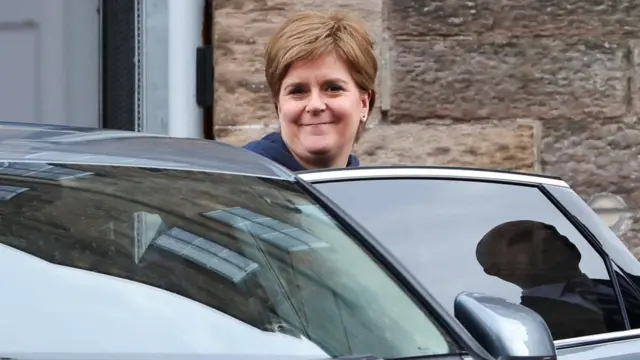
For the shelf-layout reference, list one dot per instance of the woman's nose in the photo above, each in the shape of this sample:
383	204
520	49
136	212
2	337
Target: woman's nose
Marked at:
316	102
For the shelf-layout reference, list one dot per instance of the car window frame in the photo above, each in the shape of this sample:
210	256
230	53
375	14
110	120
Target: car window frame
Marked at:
545	184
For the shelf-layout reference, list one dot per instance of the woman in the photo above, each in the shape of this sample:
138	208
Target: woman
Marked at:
321	71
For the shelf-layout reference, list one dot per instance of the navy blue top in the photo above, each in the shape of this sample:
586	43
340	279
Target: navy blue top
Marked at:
273	147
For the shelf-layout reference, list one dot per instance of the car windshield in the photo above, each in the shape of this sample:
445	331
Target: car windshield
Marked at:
107	259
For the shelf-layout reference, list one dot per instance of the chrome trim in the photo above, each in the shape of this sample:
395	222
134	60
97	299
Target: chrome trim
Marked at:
598	338
363	173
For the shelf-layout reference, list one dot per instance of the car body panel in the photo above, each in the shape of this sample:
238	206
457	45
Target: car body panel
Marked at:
165	318
61	144
622	345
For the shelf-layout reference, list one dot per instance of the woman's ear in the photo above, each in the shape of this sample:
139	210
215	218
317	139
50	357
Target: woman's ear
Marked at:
365	101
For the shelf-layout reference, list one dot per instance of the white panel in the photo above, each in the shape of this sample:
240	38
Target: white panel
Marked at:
52	52
185	24
82	62
19	81
154	66
49	63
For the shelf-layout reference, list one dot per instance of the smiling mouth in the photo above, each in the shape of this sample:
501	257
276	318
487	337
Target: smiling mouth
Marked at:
320	123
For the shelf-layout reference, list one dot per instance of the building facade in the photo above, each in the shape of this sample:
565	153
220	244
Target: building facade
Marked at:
118	64
542	87
531	86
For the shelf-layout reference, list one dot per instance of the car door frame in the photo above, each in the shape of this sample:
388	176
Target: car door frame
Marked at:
588	347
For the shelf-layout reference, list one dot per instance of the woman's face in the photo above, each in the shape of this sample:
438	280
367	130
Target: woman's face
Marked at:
320	108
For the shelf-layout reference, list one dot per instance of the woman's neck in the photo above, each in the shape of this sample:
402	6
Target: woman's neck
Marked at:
324	162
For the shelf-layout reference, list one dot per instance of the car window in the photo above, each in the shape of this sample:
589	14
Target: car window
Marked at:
100	259
500	239
627	268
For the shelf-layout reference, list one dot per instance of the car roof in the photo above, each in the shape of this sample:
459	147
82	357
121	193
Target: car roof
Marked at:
26	142
23	142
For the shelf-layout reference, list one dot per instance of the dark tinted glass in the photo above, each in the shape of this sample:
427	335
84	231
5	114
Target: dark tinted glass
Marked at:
504	240
627	266
99	259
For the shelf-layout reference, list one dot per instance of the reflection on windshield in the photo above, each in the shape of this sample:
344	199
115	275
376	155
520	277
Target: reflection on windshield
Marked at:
40	171
228	252
206	253
8	192
273	231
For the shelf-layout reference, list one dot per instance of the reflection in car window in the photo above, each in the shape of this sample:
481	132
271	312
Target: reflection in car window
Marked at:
620	254
190	262
500	239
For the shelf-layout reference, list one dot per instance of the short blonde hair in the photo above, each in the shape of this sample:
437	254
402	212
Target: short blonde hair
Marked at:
309	34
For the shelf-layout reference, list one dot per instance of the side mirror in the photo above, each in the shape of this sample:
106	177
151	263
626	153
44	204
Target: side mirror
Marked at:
506	330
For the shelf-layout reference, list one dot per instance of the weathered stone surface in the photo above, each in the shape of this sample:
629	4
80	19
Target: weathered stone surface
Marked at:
492	62
631	237
495	145
596	157
634	79
504	145
416	18
241	136
534	78
242	29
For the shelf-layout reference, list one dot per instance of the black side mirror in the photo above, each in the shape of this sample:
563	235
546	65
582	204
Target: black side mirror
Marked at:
506	330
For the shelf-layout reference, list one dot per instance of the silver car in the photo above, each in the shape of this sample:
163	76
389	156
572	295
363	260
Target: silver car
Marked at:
121	245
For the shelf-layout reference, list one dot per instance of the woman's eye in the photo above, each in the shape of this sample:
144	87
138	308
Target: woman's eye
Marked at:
296	90
334	88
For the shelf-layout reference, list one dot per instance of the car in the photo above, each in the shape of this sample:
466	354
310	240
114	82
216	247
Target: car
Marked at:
119	244
527	238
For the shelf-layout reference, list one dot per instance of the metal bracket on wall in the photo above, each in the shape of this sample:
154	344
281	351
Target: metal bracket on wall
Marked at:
204	76
205	94
385	74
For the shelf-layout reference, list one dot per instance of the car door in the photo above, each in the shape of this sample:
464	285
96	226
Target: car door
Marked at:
502	234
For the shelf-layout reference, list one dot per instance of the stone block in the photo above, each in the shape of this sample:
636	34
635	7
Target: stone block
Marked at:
596	157
525	78
242	29
494	145
241	136
518	18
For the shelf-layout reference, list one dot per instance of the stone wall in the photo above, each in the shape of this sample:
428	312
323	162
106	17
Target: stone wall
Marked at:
529	85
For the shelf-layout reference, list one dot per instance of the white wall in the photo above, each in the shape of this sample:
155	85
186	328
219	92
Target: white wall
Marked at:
50	62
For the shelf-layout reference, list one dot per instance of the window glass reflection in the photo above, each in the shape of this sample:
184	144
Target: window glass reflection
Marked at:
8	192
234	263
267	229
500	239
40	171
